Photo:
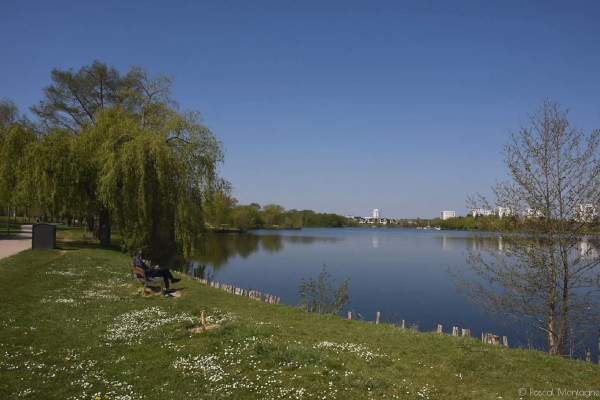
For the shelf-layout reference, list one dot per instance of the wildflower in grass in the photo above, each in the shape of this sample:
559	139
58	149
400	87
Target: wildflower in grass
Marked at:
357	349
132	326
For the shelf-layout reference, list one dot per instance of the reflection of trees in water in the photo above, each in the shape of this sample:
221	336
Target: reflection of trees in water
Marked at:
197	270
271	243
275	243
218	248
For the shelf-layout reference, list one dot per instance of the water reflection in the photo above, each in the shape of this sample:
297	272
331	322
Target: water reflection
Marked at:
485	242
375	242
217	249
587	250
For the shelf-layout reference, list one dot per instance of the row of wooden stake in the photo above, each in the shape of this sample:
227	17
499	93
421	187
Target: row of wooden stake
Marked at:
253	294
485	337
256	295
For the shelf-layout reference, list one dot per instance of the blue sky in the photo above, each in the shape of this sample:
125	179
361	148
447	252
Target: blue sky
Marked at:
335	106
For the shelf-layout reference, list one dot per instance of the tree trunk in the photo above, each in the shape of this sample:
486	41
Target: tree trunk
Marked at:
102	228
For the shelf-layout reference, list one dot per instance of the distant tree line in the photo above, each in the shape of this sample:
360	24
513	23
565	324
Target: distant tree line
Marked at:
223	212
489	223
114	150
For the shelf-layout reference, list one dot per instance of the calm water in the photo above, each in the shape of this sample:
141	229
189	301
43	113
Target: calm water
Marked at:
401	272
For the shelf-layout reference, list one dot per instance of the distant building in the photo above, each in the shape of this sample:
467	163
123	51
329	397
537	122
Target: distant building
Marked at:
448	214
531	213
503	212
481	212
586	212
375	214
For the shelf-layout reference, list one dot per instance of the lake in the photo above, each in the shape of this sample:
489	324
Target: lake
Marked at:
403	273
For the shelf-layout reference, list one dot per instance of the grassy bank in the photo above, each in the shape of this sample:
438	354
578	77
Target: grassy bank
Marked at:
75	326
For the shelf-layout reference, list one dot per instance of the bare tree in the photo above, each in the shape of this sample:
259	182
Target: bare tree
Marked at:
547	275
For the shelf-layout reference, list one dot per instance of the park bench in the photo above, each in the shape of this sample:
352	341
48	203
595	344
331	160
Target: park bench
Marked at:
140	273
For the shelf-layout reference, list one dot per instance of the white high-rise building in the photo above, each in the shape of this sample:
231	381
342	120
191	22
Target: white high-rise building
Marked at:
375	213
448	214
502	212
586	213
481	212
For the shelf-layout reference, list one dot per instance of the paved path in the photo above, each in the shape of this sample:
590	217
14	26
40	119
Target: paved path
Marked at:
16	242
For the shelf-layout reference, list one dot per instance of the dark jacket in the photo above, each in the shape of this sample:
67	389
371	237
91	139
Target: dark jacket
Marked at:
138	262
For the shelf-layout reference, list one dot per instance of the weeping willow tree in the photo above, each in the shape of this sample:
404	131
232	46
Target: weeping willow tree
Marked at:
547	274
153	182
116	149
15	139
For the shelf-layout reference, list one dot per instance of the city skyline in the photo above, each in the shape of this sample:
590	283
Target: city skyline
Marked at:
334	107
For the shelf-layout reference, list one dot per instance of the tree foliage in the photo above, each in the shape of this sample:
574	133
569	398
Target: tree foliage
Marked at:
14	188
9	113
115	149
546	276
320	296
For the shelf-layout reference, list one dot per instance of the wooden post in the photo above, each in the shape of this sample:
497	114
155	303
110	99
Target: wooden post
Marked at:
588	355
505	341
439	329
483	337
403	324
377	318
455	331
466	332
495	339
349	314
203	321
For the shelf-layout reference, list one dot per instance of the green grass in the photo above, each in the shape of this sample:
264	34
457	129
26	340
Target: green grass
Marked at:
74	326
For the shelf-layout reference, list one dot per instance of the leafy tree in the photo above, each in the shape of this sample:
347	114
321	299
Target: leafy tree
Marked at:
9	113
545	277
116	148
290	219
271	214
219	206
244	217
74	98
320	296
153	183
15	140
50	174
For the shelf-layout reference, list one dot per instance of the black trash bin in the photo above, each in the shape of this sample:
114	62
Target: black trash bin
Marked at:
43	236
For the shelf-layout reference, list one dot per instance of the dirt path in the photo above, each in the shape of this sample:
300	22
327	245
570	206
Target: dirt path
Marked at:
16	243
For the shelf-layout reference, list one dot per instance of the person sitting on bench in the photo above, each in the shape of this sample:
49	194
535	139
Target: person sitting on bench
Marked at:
164	272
